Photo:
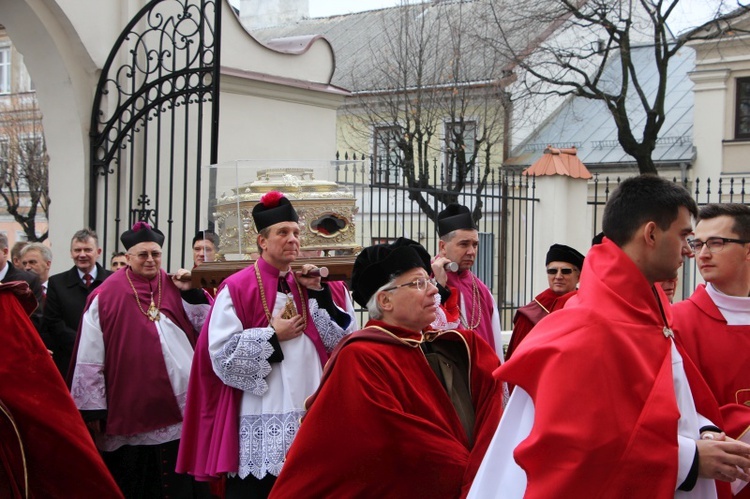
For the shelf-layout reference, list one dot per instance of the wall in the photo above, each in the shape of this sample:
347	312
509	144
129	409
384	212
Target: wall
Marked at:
65	43
718	65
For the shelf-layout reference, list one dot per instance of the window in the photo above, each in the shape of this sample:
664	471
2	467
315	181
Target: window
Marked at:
4	162
742	109
5	70
387	157
460	147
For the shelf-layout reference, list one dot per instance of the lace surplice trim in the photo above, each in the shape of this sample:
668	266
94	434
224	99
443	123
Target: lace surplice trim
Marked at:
441	319
330	332
243	361
159	436
88	387
264	442
196	314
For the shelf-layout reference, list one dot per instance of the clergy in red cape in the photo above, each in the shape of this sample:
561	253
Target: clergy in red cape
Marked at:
259	356
564	266
402	410
130	370
468	303
714	323
45	448
606	404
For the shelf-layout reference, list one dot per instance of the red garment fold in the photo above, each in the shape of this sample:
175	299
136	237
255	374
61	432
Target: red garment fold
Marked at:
382	425
720	353
600	376
61	458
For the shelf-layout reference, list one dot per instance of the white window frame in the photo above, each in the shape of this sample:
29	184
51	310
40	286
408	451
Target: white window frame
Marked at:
5	69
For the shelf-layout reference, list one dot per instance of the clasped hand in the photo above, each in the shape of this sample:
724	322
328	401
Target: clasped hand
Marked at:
723	458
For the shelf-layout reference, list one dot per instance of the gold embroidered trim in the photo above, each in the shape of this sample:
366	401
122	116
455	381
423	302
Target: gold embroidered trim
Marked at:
20	447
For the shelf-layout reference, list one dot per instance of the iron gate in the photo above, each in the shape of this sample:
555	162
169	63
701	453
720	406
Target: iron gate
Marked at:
155	114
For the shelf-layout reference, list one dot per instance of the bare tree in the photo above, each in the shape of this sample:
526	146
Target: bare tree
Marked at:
24	163
432	93
588	37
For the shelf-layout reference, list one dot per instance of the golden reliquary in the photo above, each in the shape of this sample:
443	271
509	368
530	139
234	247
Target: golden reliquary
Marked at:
326	217
326	211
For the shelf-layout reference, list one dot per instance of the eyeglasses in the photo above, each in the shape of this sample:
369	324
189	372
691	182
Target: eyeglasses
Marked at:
143	255
420	284
714	244
554	271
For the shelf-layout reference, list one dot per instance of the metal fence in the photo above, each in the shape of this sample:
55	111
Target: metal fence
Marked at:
388	210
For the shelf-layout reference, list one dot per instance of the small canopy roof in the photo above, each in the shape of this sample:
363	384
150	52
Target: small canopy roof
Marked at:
559	162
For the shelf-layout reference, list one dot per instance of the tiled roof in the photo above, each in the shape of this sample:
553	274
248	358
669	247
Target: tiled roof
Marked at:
364	42
587	125
559	162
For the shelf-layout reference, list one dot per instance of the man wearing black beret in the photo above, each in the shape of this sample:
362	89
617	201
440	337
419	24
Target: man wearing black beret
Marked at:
467	301
402	410
260	355
564	266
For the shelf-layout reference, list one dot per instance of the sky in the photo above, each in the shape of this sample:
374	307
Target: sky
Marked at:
321	8
689	13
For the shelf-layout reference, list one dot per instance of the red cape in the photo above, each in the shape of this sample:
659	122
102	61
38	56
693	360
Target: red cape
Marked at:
61	459
530	314
600	376
720	353
382	425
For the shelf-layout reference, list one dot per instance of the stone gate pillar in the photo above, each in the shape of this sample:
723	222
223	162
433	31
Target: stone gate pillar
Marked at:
561	214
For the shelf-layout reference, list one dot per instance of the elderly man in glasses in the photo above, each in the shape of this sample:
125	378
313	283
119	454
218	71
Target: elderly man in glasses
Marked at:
714	323
131	367
402	410
564	266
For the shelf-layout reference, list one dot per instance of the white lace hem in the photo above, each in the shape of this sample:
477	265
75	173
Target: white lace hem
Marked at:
264	442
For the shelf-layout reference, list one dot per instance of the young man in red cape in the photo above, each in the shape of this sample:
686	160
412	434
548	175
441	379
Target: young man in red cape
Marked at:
402	410
45	448
714	323
606	404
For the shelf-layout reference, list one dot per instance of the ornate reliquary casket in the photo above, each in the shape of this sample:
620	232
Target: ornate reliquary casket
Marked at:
326	213
326	217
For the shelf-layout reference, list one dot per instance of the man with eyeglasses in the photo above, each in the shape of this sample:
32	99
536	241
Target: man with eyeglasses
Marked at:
714	323
564	266
467	302
402	410
606	403
259	356
131	367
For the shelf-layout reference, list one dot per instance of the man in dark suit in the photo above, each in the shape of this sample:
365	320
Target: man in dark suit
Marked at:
67	293
9	273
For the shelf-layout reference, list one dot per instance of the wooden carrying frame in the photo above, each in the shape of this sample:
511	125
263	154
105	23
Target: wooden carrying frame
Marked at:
211	274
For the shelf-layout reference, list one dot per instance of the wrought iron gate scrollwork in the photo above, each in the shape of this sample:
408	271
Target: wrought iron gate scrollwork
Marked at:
147	124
